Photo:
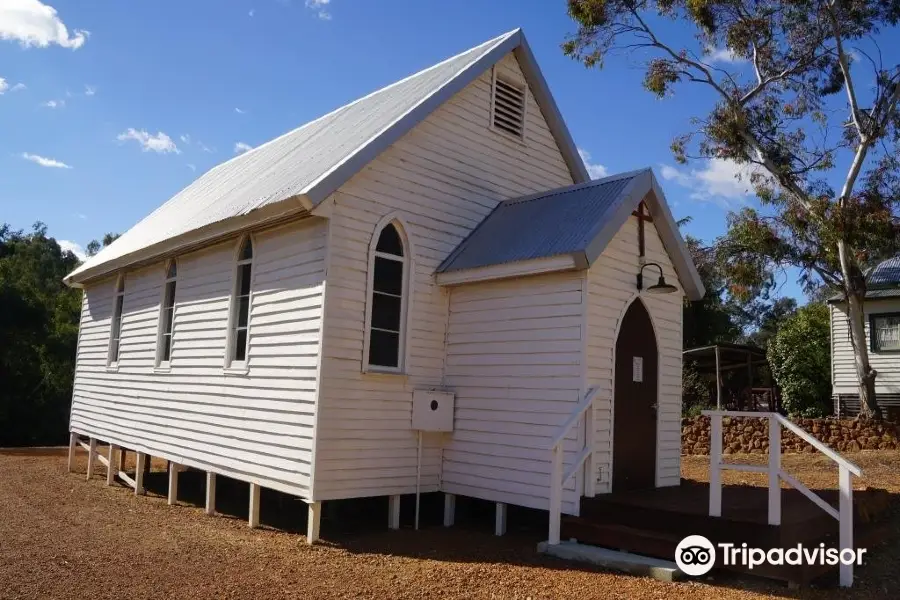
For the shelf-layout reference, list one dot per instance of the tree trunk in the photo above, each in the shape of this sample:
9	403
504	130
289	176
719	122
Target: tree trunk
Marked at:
865	374
855	291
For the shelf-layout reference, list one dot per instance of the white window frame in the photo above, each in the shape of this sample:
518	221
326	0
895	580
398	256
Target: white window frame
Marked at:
233	366
518	84
164	365
115	328
873	331
405	300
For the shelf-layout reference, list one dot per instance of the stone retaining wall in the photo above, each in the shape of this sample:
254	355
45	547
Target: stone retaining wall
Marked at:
751	436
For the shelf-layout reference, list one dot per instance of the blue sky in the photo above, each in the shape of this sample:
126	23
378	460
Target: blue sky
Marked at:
109	108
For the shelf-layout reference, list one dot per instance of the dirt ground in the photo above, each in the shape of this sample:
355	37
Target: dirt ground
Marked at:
64	537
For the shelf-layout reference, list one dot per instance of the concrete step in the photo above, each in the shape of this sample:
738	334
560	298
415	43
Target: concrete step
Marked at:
661	570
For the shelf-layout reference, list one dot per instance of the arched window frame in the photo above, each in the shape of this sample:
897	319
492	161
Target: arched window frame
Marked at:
233	363
114	350
166	328
405	296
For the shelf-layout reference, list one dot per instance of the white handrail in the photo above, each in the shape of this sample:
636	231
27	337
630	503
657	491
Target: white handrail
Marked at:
582	406
819	445
846	470
559	477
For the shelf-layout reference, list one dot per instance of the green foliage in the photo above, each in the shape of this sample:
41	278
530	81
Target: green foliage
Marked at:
710	319
696	391
812	102
800	358
39	329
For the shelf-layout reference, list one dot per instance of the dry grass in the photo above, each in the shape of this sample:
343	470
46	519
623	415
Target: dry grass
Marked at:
62	537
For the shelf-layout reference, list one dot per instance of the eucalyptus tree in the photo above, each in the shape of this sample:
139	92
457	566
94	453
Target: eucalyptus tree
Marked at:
808	111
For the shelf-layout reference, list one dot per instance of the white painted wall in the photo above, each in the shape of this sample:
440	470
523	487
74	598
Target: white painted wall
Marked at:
611	289
515	361
843	376
441	180
257	427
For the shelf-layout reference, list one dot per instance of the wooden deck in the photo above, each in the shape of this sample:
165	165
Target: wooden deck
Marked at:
652	522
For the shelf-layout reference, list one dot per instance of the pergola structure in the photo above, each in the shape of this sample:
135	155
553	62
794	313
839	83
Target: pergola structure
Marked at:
719	359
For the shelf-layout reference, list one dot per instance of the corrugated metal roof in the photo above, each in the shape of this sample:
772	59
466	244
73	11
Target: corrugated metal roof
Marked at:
561	221
882	281
885	273
295	163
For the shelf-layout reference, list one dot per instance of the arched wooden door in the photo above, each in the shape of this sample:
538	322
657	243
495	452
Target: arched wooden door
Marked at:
635	402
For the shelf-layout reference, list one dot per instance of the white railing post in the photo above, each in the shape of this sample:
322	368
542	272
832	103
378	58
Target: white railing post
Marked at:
556	484
715	469
774	470
845	523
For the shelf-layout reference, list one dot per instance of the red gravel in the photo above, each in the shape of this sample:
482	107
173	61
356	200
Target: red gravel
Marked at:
64	537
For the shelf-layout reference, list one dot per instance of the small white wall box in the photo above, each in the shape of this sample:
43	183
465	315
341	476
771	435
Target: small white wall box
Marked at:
432	410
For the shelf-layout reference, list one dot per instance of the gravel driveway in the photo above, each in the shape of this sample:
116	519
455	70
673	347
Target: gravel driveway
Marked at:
64	537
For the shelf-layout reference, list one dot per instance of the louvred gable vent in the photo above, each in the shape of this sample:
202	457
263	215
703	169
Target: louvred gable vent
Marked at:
509	108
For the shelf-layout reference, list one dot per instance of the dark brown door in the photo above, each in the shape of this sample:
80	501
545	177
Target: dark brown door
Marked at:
635	397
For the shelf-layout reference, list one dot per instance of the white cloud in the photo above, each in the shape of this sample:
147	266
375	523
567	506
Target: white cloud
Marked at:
722	181
54	104
239	111
252	12
595	170
722	55
18	87
206	148
185	138
81	216
241	147
44	161
90	90
160	143
33	23
3	85
72	247
192	167
320	7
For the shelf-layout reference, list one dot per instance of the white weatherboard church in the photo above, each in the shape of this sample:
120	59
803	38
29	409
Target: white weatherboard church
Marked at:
428	264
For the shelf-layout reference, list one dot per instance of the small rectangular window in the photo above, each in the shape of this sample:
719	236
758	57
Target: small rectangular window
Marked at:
240	318
168	320
115	333
885	332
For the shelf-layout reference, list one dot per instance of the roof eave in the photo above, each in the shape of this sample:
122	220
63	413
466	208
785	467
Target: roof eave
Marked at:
645	184
552	116
192	240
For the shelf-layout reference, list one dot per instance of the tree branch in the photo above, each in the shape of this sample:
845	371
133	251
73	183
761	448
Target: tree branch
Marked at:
845	69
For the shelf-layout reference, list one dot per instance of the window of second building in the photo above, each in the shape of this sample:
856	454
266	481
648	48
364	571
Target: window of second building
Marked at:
885	332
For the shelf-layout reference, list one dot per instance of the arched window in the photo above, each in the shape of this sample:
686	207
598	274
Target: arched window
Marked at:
167	316
240	305
387	302
115	331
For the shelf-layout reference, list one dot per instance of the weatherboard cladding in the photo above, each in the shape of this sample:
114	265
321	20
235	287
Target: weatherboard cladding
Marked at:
295	163
557	222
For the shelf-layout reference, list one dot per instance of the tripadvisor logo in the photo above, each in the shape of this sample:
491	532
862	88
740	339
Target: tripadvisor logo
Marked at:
695	555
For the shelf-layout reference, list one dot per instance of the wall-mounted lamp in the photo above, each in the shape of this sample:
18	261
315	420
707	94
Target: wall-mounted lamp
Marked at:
661	286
